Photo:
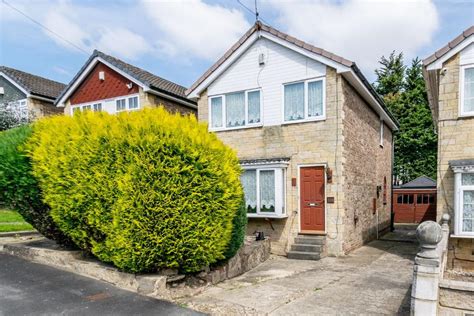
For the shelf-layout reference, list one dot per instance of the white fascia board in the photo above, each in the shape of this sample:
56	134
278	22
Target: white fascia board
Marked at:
438	64
324	60
13	82
167	96
86	71
194	94
355	81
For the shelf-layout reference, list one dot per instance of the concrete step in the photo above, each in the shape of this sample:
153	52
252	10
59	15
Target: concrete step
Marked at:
307	248
310	240
303	255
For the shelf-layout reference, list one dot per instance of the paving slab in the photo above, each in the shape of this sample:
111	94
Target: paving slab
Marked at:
375	279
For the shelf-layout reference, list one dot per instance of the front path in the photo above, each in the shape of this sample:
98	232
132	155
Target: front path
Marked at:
374	279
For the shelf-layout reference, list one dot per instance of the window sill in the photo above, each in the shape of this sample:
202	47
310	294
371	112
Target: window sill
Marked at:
461	236
225	129
276	216
322	118
466	115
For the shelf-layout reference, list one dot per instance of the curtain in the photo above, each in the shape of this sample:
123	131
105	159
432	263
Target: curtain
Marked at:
294	101
468	211
315	98
216	112
469	90
249	183
235	109
254	107
467	179
267	191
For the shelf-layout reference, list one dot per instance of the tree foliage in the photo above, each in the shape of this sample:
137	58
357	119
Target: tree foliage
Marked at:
19	190
143	190
404	92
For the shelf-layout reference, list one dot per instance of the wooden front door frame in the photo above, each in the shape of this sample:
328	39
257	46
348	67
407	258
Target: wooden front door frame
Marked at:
324	165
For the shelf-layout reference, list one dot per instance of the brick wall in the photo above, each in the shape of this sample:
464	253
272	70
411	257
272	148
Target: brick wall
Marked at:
305	143
366	164
455	141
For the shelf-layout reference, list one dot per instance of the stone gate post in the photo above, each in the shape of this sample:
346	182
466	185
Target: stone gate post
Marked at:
426	272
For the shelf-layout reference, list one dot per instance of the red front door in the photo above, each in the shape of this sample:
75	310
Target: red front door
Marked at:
312	200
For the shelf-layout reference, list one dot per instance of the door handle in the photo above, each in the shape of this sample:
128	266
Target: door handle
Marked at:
313	204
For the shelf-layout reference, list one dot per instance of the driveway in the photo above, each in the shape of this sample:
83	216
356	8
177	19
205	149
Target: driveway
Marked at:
374	279
32	289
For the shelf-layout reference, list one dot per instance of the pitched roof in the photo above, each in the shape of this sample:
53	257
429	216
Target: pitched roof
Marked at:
148	79
422	182
258	26
33	84
448	47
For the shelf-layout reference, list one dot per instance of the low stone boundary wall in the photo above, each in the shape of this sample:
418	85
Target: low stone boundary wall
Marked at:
166	285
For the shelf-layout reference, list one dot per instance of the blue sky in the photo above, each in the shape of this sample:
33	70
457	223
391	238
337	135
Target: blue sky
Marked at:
180	39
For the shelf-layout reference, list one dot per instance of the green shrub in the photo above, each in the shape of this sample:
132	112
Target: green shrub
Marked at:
142	190
239	226
19	190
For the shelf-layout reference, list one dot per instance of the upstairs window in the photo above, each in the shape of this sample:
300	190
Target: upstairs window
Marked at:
120	105
467	90
97	107
235	110
304	101
130	103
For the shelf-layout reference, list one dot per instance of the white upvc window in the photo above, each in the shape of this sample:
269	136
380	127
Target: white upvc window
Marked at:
466	90
120	105
304	101
235	110
264	190
464	204
96	107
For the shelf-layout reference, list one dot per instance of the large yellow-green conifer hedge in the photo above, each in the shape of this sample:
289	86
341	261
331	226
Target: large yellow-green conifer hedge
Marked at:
142	190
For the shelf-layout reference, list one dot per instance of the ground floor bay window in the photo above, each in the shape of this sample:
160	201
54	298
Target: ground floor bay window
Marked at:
264	189
463	198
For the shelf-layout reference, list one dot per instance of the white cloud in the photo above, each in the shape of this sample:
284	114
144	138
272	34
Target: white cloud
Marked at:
194	28
182	28
361	30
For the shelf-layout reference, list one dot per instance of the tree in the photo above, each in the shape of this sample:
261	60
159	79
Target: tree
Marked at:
11	115
403	90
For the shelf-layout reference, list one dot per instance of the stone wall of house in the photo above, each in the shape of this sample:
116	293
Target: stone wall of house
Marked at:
148	99
366	163
304	143
40	108
455	141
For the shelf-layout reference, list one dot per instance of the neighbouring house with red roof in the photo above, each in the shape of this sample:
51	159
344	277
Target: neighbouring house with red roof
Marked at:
27	94
313	137
106	83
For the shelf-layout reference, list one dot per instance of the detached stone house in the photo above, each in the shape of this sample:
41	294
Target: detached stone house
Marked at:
314	140
449	76
27	94
106	83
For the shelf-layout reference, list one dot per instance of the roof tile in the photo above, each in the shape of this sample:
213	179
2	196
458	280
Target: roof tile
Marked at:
34	84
